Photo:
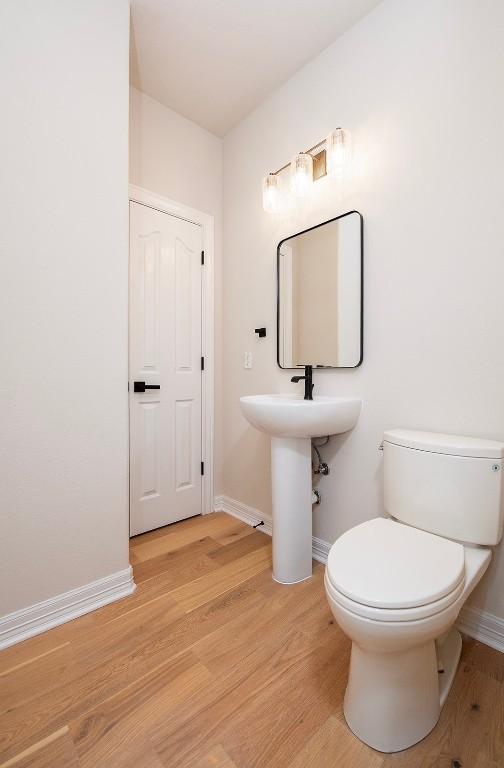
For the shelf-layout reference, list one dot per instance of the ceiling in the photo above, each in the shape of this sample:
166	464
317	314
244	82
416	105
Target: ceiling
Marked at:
214	61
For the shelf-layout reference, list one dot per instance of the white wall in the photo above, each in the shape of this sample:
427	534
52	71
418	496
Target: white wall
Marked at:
63	296
176	158
173	156
417	84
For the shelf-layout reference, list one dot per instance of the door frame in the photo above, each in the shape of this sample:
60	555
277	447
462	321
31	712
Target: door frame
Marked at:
206	221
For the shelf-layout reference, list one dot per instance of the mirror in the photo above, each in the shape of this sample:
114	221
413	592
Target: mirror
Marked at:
319	308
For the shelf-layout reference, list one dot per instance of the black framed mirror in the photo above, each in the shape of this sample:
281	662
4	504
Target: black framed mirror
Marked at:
320	295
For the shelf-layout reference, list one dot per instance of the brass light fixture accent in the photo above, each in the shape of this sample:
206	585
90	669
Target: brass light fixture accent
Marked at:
319	165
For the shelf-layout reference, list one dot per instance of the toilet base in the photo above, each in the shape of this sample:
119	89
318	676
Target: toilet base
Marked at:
393	700
449	649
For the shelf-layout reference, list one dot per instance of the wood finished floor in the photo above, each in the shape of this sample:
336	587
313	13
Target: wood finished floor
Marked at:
211	664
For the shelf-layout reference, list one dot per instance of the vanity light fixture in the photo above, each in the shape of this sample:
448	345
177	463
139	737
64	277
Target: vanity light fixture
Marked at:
338	153
271	192
331	156
301	174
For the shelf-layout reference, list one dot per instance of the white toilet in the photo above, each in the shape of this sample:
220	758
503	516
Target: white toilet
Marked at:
396	585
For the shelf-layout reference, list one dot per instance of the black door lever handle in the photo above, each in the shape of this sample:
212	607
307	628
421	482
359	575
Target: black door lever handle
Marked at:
141	386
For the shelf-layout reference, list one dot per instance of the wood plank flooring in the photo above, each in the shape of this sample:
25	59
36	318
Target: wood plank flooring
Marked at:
211	664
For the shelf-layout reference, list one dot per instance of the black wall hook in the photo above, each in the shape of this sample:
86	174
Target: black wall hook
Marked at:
261	332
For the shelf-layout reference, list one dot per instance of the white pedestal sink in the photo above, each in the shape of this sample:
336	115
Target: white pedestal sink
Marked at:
292	422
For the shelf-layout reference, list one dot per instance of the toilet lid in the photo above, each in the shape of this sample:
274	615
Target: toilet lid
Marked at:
386	564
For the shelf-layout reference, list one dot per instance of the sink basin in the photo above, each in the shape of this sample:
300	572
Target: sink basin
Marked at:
292	422
291	416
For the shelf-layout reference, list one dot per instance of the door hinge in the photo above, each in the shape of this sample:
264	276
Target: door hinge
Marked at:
202	257
202	467
202	363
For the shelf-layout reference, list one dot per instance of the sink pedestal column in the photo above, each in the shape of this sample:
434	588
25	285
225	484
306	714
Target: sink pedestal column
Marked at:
291	473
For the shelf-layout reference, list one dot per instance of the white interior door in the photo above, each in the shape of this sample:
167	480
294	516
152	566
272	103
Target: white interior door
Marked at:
165	353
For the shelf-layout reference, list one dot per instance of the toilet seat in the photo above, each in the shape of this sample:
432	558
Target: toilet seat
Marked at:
388	571
394	614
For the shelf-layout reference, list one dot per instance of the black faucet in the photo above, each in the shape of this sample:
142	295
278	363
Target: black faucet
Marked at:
308	384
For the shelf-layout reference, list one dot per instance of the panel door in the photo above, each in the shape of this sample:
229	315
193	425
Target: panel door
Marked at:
165	353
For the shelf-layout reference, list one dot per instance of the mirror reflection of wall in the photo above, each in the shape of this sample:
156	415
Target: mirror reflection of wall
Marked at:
320	295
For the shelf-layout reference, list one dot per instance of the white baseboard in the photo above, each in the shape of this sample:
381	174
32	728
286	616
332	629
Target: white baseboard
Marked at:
244	513
37	618
482	626
251	516
320	549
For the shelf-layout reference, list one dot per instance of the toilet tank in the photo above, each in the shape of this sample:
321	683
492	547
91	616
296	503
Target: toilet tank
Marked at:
446	484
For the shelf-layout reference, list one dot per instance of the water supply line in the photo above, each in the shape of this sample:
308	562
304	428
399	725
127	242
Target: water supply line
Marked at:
322	468
315	497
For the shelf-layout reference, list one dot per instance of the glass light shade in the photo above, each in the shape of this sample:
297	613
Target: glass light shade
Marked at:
301	174
338	151
271	193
